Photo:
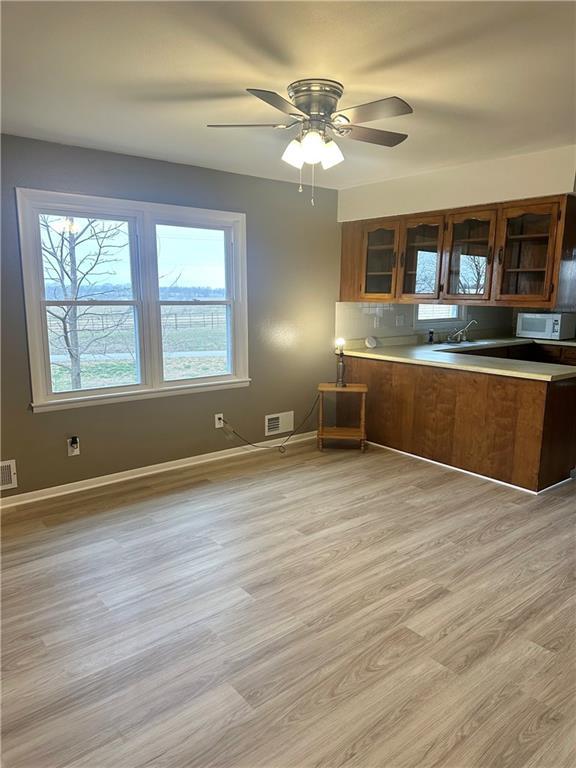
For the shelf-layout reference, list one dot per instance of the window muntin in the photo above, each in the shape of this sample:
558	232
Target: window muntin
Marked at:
105	278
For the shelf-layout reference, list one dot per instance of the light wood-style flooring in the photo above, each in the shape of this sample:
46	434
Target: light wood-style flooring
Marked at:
312	610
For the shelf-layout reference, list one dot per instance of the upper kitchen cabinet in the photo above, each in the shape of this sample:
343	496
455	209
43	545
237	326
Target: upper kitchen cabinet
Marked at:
379	263
350	261
468	255
516	254
525	254
420	258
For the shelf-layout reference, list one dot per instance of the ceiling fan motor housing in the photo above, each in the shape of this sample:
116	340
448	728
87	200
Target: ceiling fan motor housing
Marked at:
316	97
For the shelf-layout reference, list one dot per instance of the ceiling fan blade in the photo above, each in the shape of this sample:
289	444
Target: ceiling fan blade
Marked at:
373	135
376	110
277	101
252	125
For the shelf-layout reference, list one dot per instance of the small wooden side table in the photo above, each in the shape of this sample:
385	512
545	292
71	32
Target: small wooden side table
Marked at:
342	433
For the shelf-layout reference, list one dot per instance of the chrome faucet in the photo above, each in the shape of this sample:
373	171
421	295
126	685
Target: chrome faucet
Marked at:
460	335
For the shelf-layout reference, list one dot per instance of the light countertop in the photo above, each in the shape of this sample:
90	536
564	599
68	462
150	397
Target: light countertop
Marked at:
445	356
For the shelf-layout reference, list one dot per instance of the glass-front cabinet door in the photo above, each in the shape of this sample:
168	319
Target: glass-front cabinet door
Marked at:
420	257
468	255
525	253
380	258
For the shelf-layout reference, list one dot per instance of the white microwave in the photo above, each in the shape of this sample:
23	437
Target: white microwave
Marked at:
559	325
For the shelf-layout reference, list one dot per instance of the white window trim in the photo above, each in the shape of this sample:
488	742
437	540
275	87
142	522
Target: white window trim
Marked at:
142	217
440	324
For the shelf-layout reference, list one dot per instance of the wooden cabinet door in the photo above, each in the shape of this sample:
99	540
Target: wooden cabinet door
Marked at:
380	258
524	267
351	280
420	257
468	255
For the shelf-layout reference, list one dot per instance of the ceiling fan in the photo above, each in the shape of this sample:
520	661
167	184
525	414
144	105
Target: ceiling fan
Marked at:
313	109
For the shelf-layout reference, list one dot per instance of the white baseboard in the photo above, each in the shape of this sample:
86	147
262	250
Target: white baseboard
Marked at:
467	472
152	469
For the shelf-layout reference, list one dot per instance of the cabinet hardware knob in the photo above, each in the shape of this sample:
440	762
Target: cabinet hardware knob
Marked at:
500	255
402	259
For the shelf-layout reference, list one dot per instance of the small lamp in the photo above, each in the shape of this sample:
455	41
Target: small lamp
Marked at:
340	368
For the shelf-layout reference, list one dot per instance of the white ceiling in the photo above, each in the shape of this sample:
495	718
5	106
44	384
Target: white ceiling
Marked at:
485	79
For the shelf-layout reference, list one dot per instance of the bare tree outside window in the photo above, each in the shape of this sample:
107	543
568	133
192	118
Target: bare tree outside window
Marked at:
86	265
472	275
426	271
90	302
120	304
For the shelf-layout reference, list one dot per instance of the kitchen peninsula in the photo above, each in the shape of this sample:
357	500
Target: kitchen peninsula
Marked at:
487	407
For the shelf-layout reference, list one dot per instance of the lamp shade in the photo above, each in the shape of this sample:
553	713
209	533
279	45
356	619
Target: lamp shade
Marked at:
312	147
331	155
293	154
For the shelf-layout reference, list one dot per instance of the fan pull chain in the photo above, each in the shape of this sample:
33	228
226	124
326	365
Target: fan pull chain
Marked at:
312	198
300	186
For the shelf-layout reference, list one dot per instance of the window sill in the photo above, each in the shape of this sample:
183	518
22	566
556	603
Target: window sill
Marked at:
124	397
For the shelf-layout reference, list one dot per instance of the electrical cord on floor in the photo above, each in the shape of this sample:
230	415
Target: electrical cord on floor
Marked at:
282	447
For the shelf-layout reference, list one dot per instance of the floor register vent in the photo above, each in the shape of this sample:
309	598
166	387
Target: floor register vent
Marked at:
8	478
278	423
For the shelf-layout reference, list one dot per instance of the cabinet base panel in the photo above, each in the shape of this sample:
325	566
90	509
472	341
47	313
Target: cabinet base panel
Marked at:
467	472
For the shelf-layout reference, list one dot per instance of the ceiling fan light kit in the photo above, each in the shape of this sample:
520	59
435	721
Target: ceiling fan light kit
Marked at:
293	154
331	155
313	107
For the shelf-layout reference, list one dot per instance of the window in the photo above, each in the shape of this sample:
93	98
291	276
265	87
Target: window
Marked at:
127	299
437	315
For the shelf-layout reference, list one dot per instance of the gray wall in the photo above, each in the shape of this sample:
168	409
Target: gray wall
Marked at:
293	275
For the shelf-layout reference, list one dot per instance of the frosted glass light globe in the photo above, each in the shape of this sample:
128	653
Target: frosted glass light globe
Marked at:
293	154
312	147
331	155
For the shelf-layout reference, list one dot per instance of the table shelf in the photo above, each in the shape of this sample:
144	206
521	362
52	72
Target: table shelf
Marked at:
354	433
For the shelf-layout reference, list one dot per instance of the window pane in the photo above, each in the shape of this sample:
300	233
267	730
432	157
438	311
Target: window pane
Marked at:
195	341
421	259
92	347
380	259
191	263
85	258
469	257
526	254
437	311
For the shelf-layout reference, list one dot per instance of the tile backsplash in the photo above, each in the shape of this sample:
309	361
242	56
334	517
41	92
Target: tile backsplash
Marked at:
395	322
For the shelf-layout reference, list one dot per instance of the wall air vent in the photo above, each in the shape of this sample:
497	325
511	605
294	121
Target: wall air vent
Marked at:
278	423
8	478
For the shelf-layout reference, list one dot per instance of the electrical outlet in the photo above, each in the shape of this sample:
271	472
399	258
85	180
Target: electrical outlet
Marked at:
218	420
73	445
